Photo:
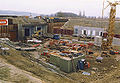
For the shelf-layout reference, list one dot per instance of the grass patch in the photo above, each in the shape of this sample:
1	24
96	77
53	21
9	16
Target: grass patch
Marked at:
4	73
21	79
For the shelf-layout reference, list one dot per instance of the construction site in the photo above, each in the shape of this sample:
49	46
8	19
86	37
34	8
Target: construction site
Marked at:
60	49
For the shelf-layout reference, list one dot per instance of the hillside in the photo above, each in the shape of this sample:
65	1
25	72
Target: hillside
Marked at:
66	14
18	13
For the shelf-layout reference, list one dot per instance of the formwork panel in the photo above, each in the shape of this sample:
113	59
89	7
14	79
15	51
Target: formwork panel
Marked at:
54	60
65	64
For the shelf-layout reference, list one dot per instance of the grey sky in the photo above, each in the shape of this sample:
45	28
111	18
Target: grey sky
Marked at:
91	7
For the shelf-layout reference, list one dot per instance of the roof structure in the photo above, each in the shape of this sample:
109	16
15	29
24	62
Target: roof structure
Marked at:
26	21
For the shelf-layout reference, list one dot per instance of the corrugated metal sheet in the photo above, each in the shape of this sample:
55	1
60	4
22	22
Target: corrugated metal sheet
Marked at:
9	31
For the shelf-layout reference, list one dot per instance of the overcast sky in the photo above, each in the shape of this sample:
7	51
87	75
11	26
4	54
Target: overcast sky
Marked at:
91	7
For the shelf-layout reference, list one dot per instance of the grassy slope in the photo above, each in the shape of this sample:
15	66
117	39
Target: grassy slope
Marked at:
4	73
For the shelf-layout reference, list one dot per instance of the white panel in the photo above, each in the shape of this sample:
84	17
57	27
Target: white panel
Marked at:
82	31
100	33
93	33
88	33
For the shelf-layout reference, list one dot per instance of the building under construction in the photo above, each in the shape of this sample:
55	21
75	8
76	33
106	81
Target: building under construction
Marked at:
19	27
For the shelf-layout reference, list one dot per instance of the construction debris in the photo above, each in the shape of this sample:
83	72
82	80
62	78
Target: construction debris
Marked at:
86	73
99	59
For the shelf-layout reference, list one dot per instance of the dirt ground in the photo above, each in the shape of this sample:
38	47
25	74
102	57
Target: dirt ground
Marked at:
15	68
105	72
99	72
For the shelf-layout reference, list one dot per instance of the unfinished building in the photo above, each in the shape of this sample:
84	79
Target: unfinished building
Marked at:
91	22
55	23
20	27
88	31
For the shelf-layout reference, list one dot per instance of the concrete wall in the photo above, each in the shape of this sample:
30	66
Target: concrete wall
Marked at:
116	41
90	31
20	32
98	41
44	29
64	64
32	29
